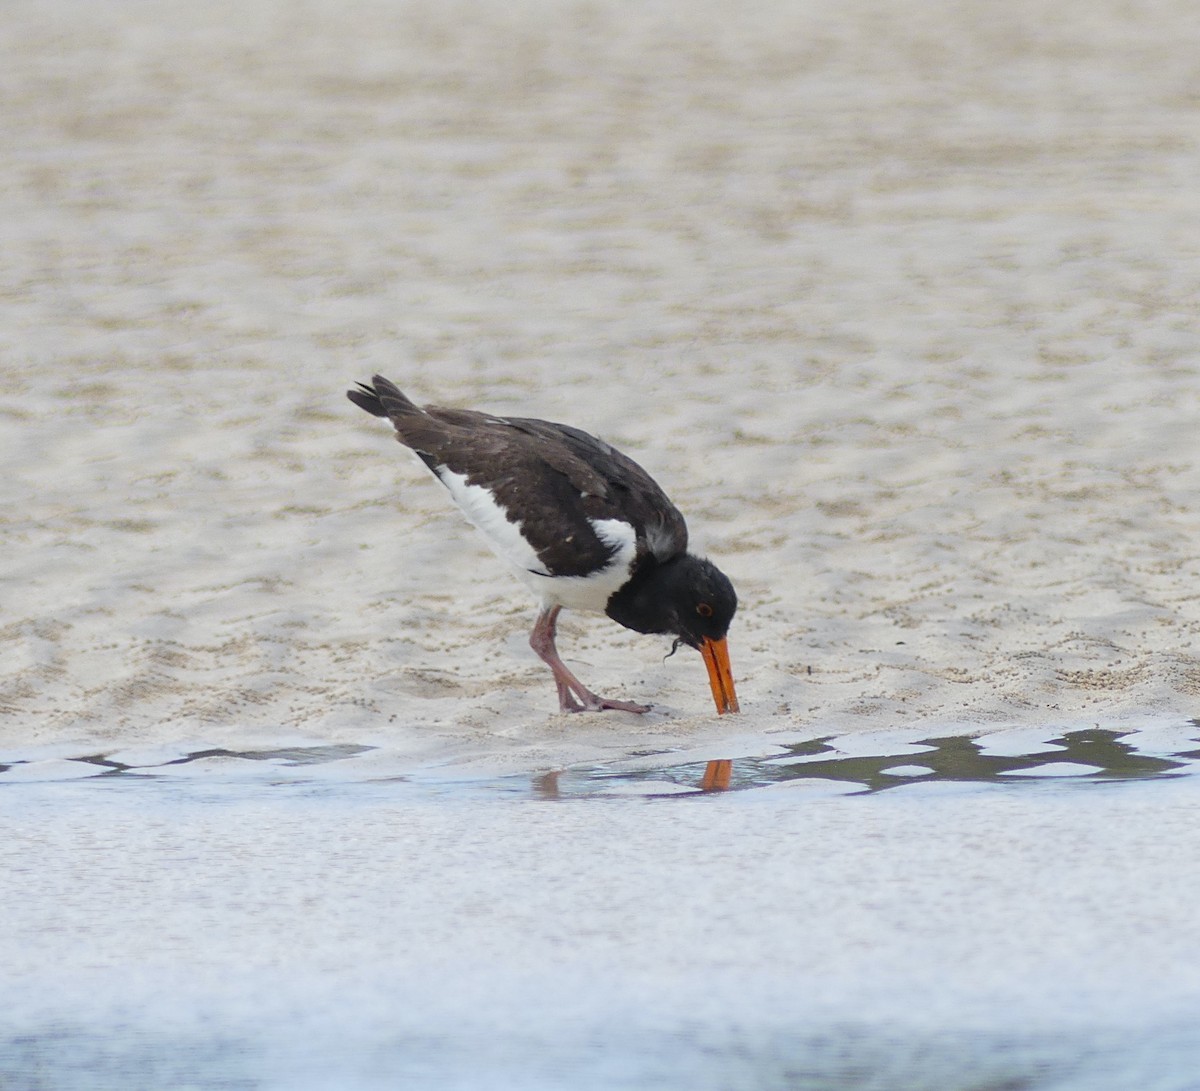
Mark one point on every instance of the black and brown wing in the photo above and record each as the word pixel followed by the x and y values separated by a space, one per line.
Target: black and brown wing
pixel 555 480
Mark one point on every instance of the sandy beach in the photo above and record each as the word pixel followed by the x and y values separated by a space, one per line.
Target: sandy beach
pixel 899 306
pixel 898 302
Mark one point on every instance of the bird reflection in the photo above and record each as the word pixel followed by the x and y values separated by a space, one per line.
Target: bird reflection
pixel 717 775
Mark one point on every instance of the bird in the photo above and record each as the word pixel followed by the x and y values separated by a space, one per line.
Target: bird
pixel 582 525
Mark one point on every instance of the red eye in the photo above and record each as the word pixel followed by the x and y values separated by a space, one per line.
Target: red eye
pixel 704 610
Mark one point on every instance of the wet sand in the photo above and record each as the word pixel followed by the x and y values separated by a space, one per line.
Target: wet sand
pixel 311 928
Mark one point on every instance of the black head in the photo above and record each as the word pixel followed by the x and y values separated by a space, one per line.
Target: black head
pixel 691 598
pixel 702 599
pixel 688 596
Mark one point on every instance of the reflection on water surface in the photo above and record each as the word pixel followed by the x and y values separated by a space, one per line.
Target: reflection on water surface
pixel 1093 754
pixel 1087 755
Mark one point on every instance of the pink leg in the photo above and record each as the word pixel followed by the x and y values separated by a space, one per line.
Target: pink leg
pixel 541 640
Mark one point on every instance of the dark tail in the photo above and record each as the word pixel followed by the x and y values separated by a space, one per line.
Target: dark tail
pixel 384 399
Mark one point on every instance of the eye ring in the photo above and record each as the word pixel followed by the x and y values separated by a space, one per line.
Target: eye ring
pixel 704 609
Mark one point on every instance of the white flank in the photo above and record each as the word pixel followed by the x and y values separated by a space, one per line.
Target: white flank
pixel 504 537
pixel 502 534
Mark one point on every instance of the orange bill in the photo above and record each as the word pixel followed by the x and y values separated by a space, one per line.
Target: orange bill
pixel 720 676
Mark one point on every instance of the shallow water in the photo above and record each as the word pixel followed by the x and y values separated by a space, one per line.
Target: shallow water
pixel 1094 754
pixel 308 918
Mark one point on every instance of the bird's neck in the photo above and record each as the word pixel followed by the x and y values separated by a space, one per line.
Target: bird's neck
pixel 645 603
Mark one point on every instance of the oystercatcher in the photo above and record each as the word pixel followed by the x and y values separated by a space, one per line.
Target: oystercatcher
pixel 582 525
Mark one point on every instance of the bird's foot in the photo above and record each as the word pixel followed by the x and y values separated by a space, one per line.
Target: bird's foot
pixel 622 706
pixel 573 695
pixel 592 703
